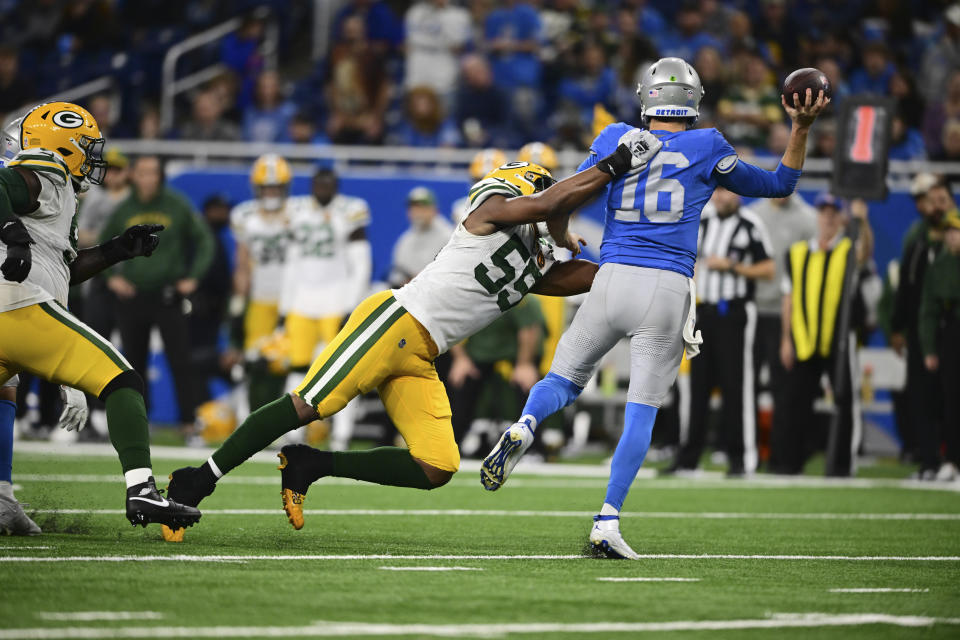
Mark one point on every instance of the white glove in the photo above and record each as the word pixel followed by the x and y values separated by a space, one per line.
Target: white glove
pixel 692 339
pixel 642 145
pixel 74 416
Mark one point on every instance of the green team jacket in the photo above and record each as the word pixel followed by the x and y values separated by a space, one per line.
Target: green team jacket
pixel 498 341
pixel 940 300
pixel 186 244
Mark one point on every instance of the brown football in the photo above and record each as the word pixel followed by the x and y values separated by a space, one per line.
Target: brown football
pixel 808 78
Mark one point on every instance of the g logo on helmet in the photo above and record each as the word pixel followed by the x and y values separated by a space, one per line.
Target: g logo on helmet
pixel 67 119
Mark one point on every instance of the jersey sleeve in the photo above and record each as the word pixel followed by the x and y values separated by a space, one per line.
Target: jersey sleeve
pixel 358 215
pixel 481 192
pixel 606 143
pixel 53 173
pixel 238 223
pixel 44 163
pixel 723 157
pixel 751 181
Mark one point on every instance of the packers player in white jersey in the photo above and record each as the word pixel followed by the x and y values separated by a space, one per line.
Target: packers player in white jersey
pixel 261 227
pixel 62 150
pixel 483 163
pixel 13 520
pixel 328 266
pixel 494 258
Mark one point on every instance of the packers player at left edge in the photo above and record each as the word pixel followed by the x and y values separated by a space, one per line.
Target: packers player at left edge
pixel 60 153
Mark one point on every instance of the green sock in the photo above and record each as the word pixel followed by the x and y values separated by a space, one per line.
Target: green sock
pixel 261 427
pixel 128 427
pixel 391 466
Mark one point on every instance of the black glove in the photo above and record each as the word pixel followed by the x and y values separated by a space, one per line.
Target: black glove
pixel 138 240
pixel 17 265
pixel 635 149
pixel 618 162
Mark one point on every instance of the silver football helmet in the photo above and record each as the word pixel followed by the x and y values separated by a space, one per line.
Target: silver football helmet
pixel 10 141
pixel 670 88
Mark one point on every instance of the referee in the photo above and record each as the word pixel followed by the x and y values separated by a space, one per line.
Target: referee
pixel 734 251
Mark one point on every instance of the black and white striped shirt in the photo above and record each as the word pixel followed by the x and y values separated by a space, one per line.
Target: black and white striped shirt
pixel 742 238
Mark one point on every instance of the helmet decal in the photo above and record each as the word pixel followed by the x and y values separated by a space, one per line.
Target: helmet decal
pixel 68 119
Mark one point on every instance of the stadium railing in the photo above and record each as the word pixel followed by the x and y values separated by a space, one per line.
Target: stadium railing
pixel 172 86
pixel 446 159
pixel 103 84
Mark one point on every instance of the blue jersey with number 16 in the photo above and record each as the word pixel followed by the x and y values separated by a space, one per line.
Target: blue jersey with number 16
pixel 652 216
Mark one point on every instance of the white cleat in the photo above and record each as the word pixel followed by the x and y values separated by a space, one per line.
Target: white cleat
pixel 606 540
pixel 13 521
pixel 500 462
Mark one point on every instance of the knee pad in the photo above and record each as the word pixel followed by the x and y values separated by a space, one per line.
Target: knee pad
pixel 129 379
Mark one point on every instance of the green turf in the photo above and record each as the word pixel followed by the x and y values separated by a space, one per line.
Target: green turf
pixel 295 593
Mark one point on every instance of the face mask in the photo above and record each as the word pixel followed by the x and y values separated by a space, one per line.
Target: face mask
pixel 273 203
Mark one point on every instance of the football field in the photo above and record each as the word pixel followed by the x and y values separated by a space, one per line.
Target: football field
pixel 799 558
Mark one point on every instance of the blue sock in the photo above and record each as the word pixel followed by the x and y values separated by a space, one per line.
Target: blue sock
pixel 631 450
pixel 8 411
pixel 547 397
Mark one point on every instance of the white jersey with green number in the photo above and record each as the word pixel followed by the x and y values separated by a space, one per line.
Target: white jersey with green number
pixel 266 236
pixel 53 227
pixel 474 279
pixel 317 281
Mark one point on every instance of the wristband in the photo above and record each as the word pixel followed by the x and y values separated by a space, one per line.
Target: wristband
pixel 112 252
pixel 617 163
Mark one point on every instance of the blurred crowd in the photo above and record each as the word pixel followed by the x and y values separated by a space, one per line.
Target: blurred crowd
pixel 476 73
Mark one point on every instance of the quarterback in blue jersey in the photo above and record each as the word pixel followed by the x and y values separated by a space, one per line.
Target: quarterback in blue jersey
pixel 644 288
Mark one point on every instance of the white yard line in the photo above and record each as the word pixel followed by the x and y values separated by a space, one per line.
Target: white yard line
pixel 22 547
pixel 649 579
pixel 523 513
pixel 327 629
pixel 91 616
pixel 878 590
pixel 342 557
pixel 430 568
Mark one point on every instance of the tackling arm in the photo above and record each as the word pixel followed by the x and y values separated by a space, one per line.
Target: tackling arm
pixel 562 198
pixel 634 150
pixel 567 279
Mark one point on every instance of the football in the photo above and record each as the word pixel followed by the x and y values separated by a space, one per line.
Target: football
pixel 807 78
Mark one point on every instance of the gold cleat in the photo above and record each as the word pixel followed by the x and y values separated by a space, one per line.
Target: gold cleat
pixel 293 505
pixel 292 501
pixel 172 535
